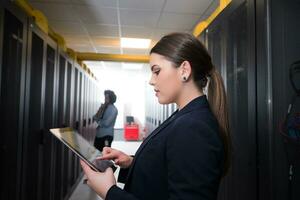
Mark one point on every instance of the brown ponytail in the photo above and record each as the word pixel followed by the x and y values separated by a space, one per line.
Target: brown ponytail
pixel 218 103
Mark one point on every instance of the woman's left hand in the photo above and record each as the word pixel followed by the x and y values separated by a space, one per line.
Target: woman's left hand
pixel 99 182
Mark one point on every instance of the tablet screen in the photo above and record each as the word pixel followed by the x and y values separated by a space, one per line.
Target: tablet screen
pixel 79 146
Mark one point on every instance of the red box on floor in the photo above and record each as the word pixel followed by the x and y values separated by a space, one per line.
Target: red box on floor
pixel 131 132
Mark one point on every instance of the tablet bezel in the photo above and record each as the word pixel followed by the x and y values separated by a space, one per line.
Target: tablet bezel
pixel 56 131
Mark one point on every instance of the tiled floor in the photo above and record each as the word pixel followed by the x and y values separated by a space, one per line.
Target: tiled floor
pixel 83 192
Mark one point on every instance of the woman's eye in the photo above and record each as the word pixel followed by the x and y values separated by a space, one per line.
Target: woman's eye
pixel 156 72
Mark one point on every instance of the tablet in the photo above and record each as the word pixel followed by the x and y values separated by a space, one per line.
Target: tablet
pixel 82 148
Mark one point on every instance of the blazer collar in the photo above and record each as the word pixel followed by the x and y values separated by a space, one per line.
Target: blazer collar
pixel 198 102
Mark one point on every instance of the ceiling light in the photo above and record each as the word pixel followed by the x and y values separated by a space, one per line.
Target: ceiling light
pixel 137 43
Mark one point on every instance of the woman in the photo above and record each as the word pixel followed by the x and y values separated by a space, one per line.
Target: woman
pixel 187 155
pixel 106 119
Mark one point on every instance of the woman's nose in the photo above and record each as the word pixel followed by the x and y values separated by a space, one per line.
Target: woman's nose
pixel 151 81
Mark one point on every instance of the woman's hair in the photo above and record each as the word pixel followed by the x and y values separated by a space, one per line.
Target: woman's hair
pixel 180 47
pixel 112 96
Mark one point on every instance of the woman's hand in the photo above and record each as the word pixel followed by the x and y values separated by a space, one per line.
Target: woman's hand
pixel 99 182
pixel 120 158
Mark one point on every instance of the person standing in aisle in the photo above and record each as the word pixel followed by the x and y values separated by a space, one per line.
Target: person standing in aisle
pixel 106 118
pixel 189 153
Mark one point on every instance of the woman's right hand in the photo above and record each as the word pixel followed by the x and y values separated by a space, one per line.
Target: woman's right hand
pixel 120 158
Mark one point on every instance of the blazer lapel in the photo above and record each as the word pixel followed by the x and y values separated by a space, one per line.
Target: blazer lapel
pixel 146 141
pixel 156 131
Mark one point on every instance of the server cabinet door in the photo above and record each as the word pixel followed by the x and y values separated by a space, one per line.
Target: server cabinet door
pixel 69 157
pixel 61 92
pixel 1 40
pixel 76 121
pixel 11 104
pixel 80 100
pixel 76 97
pixel 33 118
pixel 47 149
pixel 242 102
pixel 69 100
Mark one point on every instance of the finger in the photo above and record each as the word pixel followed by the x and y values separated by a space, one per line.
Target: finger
pixel 85 181
pixel 117 162
pixel 88 182
pixel 109 171
pixel 82 163
pixel 106 150
pixel 86 169
pixel 107 157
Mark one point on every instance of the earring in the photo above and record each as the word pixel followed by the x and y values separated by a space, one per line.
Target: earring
pixel 184 79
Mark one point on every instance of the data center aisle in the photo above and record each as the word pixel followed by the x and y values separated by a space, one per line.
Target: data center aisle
pixel 83 192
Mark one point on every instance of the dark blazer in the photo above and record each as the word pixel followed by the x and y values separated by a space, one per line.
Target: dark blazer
pixel 181 159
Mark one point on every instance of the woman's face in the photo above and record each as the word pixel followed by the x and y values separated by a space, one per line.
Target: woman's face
pixel 106 98
pixel 165 79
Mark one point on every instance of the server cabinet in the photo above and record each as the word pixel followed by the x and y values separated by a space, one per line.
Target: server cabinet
pixel 39 117
pixel 1 42
pixel 48 150
pixel 69 157
pixel 67 153
pixel 84 107
pixel 12 102
pixel 62 152
pixel 69 93
pixel 76 120
pixel 231 42
pixel 240 75
pixel 76 98
pixel 59 168
pixel 87 111
pixel 39 88
pixel 89 108
pixel 278 42
pixel 215 45
pixel 215 40
pixel 34 118
pixel 61 91
pixel 80 102
pixel 96 99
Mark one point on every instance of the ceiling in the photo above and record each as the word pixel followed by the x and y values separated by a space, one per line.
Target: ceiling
pixel 97 25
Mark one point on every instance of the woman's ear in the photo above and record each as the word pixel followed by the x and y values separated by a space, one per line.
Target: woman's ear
pixel 185 70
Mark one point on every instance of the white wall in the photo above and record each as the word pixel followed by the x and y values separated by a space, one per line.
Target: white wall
pixel 129 86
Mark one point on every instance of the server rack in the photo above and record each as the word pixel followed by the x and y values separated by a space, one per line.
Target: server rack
pixel 40 88
pixel 12 100
pixel 259 36
pixel 230 40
